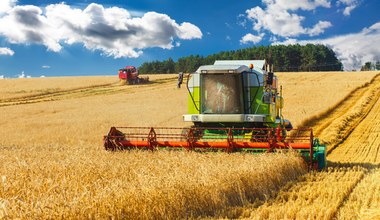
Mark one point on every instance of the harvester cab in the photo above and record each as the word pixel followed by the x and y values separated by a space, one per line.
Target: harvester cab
pixel 236 94
pixel 235 106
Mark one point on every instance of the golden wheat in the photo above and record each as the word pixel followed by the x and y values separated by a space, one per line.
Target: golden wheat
pixel 318 196
pixel 353 164
pixel 13 88
pixel 54 166
pixel 362 146
pixel 309 94
pixel 364 201
pixel 145 185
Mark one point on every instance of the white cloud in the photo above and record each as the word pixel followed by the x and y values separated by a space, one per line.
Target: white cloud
pixel 6 51
pixel 252 38
pixel 299 4
pixel 354 49
pixel 241 20
pixel 6 5
pixel 281 23
pixel 27 25
pixel 188 31
pixel 23 75
pixel 273 39
pixel 228 25
pixel 349 5
pixel 279 17
pixel 113 31
pixel 45 67
pixel 2 77
pixel 319 28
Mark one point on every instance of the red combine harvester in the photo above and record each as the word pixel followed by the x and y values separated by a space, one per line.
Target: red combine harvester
pixel 130 75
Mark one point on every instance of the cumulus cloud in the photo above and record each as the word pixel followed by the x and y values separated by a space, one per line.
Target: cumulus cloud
pixel 113 31
pixel 23 75
pixel 349 5
pixel 6 51
pixel 319 28
pixel 354 49
pixel 300 4
pixel 252 38
pixel 6 5
pixel 2 77
pixel 279 17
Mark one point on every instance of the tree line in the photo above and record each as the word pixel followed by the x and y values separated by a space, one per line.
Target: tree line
pixel 371 66
pixel 285 58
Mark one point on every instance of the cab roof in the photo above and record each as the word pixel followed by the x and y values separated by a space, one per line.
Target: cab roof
pixel 222 69
pixel 232 66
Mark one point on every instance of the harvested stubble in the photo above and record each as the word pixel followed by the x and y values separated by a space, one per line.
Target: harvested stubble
pixel 137 184
pixel 309 94
pixel 16 88
pixel 335 124
pixel 364 202
pixel 12 88
pixel 362 146
pixel 318 196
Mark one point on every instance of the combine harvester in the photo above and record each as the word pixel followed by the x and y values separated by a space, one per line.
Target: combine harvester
pixel 131 76
pixel 235 106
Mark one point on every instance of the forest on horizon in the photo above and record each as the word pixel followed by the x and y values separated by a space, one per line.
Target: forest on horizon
pixel 284 58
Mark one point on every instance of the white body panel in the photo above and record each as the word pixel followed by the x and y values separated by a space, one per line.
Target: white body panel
pixel 224 118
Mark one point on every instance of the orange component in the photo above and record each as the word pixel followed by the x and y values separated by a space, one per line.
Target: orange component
pixel 212 144
pixel 193 138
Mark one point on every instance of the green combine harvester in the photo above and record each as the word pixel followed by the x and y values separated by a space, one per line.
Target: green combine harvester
pixel 235 106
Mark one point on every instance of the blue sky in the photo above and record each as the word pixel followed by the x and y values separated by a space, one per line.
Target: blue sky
pixel 84 37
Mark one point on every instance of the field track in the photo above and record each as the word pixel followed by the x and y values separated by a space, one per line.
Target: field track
pixel 350 188
pixel 336 123
pixel 361 149
pixel 362 146
pixel 102 89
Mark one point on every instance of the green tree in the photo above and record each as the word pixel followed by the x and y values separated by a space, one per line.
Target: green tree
pixel 309 57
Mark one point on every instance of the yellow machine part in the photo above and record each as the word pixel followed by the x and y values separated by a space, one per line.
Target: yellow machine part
pixel 279 102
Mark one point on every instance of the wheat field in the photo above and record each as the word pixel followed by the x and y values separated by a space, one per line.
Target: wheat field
pixel 54 165
pixel 348 189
